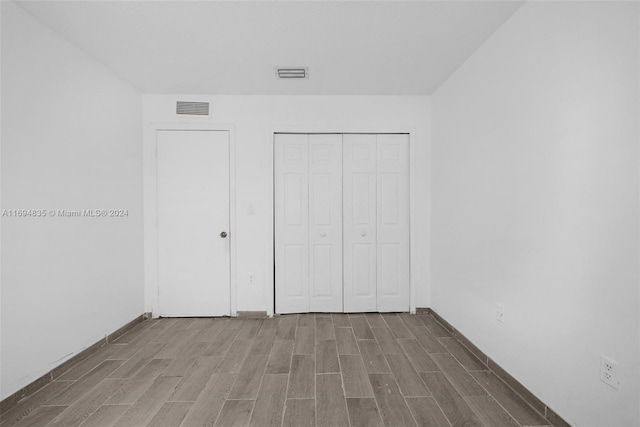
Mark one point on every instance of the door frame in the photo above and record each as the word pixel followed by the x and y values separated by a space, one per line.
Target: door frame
pixel 269 290
pixel 150 208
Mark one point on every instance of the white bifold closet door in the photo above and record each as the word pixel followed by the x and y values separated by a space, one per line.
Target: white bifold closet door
pixel 325 223
pixel 291 162
pixel 393 223
pixel 360 222
pixel 341 223
pixel 308 212
pixel 376 222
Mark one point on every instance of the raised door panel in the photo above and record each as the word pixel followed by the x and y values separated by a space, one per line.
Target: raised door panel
pixel 291 155
pixel 360 222
pixel 393 223
pixel 325 223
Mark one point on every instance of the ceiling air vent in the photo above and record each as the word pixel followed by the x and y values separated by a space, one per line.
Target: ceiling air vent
pixel 189 108
pixel 292 72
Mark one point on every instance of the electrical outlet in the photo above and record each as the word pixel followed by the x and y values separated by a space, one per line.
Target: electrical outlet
pixel 500 313
pixel 252 278
pixel 609 372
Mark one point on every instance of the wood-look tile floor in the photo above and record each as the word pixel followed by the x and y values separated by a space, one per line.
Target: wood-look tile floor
pixel 291 370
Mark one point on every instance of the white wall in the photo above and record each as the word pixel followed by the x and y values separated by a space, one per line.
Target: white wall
pixel 71 139
pixel 254 118
pixel 535 203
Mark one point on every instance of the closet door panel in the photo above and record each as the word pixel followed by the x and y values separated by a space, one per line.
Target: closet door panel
pixel 359 227
pixel 292 223
pixel 325 222
pixel 393 223
pixel 342 223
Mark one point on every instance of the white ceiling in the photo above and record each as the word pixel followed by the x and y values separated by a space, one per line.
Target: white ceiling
pixel 232 47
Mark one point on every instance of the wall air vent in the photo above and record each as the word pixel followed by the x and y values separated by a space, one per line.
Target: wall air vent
pixel 189 108
pixel 292 72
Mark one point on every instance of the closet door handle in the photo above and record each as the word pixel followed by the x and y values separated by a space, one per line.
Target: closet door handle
pixel 223 234
pixel 363 233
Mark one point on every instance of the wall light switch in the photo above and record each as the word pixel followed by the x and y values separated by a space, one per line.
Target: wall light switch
pixel 500 313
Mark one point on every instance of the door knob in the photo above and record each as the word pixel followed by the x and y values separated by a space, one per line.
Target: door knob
pixel 363 233
pixel 323 234
pixel 223 234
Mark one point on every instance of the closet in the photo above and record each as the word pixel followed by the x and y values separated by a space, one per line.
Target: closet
pixel 341 222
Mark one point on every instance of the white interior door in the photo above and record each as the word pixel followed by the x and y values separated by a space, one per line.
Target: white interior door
pixel 291 158
pixel 193 211
pixel 360 223
pixel 325 222
pixel 393 223
pixel 341 223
